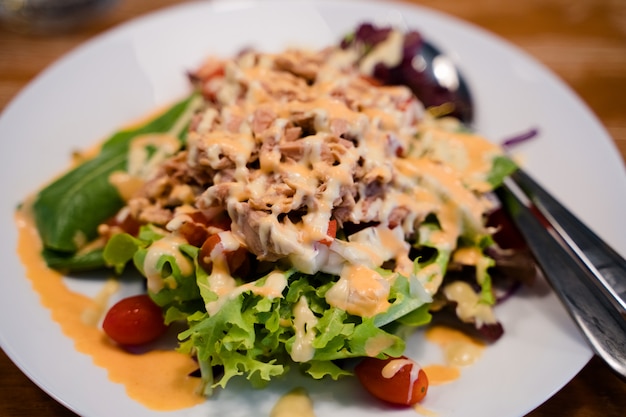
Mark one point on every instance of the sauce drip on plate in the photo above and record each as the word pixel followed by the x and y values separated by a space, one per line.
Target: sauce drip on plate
pixel 169 389
pixel 458 349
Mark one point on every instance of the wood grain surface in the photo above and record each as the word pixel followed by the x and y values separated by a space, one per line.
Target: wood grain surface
pixel 582 41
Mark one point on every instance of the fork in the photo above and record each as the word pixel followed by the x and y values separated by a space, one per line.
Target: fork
pixel 587 275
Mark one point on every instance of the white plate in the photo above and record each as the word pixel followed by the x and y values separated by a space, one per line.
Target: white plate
pixel 127 72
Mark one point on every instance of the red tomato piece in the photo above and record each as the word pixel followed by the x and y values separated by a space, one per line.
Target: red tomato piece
pixel 332 228
pixel 331 232
pixel 134 321
pixel 210 244
pixel 398 381
pixel 125 223
pixel 220 220
pixel 237 260
pixel 194 233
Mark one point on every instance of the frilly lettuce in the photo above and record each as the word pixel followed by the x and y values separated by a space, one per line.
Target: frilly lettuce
pixel 252 335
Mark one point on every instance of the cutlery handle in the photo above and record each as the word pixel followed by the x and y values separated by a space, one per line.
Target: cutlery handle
pixel 607 266
pixel 593 313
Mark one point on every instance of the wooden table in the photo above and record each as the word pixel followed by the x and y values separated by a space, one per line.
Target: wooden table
pixel 584 42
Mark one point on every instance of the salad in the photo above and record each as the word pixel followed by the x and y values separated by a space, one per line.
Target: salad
pixel 298 209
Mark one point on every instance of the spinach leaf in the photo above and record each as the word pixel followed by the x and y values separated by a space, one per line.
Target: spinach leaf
pixel 74 262
pixel 68 211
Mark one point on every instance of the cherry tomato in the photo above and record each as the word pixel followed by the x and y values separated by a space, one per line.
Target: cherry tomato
pixel 134 321
pixel 395 380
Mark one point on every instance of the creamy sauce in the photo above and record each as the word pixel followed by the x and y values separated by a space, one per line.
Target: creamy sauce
pixel 169 389
pixel 377 344
pixel 304 322
pixel 360 291
pixel 439 374
pixel 167 246
pixel 126 185
pixel 295 403
pixel 467 255
pixel 394 366
pixel 459 350
pixel 469 307
pixel 475 257
pixel 461 151
pixel 420 409
pixel 141 162
pixel 388 52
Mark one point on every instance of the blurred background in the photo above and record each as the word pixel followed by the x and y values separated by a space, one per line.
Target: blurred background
pixel 582 41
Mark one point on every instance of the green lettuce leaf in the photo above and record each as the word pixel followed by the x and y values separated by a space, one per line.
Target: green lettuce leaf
pixel 407 297
pixel 252 336
pixel 237 338
pixel 322 369
pixel 79 262
pixel 180 295
pixel 121 249
pixel 502 167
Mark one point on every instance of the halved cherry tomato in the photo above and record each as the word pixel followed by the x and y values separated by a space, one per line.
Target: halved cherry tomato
pixel 134 321
pixel 395 380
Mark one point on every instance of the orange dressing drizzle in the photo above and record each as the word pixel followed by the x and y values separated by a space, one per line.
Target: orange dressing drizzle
pixel 420 409
pixel 441 374
pixel 459 350
pixel 169 388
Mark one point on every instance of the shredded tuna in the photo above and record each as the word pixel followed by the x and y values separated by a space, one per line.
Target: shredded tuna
pixel 285 143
